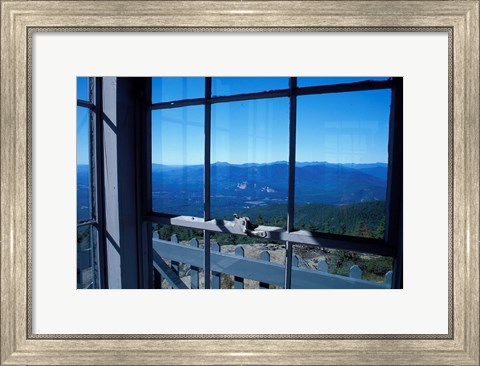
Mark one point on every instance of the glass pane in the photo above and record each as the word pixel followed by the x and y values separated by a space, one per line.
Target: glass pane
pixel 87 276
pixel 84 194
pixel 177 160
pixel 242 85
pixel 315 267
pixel 167 89
pixel 341 162
pixel 83 88
pixel 316 81
pixel 249 172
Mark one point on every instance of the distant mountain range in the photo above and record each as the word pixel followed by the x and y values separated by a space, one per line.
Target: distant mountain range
pixel 336 198
pixel 236 187
pixel 280 162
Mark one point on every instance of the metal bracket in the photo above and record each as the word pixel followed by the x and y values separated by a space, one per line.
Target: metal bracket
pixel 244 224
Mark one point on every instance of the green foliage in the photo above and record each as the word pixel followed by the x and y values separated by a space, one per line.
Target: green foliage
pixel 259 220
pixel 373 267
pixel 226 281
pixel 229 239
pixel 340 262
pixel 183 233
pixel 365 219
pixel 83 237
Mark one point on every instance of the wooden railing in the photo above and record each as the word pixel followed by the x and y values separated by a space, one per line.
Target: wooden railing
pixel 241 268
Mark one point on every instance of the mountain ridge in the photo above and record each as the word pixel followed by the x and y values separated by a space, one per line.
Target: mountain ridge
pixel 240 186
pixel 279 162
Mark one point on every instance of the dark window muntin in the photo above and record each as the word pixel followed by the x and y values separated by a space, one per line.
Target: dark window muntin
pixel 290 236
pixel 97 214
pixel 295 91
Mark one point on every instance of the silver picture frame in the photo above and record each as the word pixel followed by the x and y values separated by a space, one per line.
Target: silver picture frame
pixel 19 22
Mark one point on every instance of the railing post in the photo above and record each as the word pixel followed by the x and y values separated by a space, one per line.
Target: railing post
pixel 322 266
pixel 388 279
pixel 215 275
pixel 174 264
pixel 264 256
pixel 194 282
pixel 239 282
pixel 355 272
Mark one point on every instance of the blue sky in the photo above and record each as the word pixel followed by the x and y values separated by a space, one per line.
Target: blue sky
pixel 83 125
pixel 338 128
pixel 83 128
pixel 343 127
pixel 82 88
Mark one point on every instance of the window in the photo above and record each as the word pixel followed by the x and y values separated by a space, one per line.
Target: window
pixel 348 134
pixel 292 183
pixel 88 203
pixel 248 156
pixel 177 155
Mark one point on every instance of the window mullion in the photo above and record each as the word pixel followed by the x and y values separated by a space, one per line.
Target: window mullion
pixel 93 198
pixel 393 227
pixel 206 193
pixel 92 152
pixel 99 178
pixel 291 179
pixel 84 104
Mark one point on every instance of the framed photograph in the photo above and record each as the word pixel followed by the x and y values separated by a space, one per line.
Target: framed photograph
pixel 325 151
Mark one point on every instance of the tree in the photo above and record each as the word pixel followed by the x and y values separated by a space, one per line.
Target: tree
pixel 165 232
pixel 379 231
pixel 259 220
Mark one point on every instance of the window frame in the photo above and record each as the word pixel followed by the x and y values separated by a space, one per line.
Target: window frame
pixel 390 245
pixel 97 212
